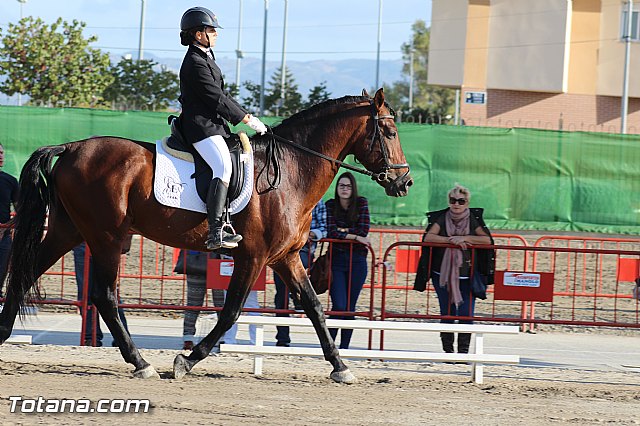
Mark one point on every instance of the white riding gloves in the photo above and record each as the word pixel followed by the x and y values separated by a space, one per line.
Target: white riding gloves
pixel 257 125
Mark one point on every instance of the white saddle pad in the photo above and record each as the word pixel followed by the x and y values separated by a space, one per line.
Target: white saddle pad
pixel 174 187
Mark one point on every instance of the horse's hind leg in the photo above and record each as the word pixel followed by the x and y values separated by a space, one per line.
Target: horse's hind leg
pixel 244 275
pixel 293 273
pixel 106 259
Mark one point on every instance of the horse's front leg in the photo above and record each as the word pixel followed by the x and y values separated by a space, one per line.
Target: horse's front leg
pixel 244 275
pixel 104 298
pixel 295 276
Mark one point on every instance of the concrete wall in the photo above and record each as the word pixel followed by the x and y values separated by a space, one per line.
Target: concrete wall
pixel 528 45
pixel 611 53
pixel 448 37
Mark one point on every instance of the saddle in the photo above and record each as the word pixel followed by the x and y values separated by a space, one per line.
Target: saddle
pixel 203 173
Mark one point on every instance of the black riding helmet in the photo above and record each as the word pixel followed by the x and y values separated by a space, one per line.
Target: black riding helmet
pixel 198 17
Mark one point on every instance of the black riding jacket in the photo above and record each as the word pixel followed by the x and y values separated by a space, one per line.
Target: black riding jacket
pixel 206 107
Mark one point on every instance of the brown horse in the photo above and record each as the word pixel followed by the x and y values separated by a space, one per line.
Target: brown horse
pixel 102 187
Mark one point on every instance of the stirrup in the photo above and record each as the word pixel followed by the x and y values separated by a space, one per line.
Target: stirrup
pixel 231 237
pixel 219 238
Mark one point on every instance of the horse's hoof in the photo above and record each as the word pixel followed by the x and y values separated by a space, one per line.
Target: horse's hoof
pixel 343 377
pixel 5 333
pixel 146 373
pixel 180 367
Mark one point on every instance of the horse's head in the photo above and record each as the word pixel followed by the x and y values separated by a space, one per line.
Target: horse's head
pixel 381 153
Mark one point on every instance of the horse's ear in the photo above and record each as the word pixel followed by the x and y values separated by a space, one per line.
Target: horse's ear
pixel 378 99
pixel 365 93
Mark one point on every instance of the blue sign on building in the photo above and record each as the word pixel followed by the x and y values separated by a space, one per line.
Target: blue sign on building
pixel 475 98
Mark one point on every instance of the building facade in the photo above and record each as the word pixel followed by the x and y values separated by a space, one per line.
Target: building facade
pixel 550 64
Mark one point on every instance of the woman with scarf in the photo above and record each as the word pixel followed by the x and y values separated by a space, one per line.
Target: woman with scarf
pixel 451 267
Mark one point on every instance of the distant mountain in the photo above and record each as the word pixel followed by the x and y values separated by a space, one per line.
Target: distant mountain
pixel 344 77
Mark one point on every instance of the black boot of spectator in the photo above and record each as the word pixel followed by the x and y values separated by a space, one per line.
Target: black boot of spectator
pixel 447 342
pixel 464 340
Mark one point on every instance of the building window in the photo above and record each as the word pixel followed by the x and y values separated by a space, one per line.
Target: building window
pixel 635 15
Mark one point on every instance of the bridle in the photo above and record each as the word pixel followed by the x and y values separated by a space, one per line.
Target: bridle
pixel 380 176
pixel 377 134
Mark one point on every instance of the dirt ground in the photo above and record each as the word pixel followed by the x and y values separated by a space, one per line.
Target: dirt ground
pixel 297 391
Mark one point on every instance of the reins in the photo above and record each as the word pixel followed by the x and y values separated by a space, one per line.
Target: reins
pixel 377 135
pixel 321 155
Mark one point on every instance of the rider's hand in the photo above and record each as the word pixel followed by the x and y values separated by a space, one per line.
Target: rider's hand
pixel 257 125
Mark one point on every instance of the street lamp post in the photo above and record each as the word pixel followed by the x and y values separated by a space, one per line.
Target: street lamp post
pixel 625 79
pixel 411 54
pixel 239 54
pixel 264 57
pixel 283 66
pixel 141 38
pixel 379 42
pixel 22 2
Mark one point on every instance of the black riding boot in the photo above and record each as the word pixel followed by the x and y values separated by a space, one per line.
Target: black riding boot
pixel 447 342
pixel 464 340
pixel 216 199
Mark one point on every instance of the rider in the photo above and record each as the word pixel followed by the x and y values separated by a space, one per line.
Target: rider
pixel 206 108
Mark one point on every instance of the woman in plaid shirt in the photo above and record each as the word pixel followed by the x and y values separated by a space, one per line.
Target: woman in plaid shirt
pixel 347 219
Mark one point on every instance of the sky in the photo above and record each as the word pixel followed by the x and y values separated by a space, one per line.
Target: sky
pixel 316 29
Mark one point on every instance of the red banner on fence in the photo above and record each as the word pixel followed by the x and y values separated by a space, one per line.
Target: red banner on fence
pixel 628 269
pixel 219 273
pixel 407 260
pixel 524 286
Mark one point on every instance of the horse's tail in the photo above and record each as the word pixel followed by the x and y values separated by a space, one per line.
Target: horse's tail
pixel 34 197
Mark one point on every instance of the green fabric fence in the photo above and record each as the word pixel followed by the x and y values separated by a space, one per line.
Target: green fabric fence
pixel 525 179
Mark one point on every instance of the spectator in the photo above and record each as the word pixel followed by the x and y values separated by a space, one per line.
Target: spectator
pixel 196 290
pixel 347 219
pixel 78 260
pixel 318 230
pixel 451 267
pixel 636 289
pixel 8 197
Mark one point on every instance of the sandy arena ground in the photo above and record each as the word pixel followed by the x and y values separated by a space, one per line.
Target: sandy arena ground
pixel 296 391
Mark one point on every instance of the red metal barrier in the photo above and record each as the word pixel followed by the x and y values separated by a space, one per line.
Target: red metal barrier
pixel 601 301
pixel 146 281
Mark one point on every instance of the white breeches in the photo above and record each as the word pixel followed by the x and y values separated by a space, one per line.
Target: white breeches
pixel 215 152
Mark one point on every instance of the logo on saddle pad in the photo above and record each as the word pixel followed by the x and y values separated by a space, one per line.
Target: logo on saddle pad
pixel 172 188
pixel 174 185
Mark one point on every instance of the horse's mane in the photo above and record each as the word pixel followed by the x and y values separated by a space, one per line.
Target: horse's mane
pixel 310 115
pixel 314 114
pixel 320 109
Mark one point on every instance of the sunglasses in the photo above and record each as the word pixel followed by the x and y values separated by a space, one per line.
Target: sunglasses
pixel 460 201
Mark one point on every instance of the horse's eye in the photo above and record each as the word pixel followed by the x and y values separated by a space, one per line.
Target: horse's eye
pixel 392 134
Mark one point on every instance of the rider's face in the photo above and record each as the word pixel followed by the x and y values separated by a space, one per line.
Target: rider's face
pixel 208 36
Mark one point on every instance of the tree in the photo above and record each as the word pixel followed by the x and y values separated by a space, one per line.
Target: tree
pixel 233 89
pixel 292 102
pixel 432 103
pixel 53 65
pixel 140 85
pixel 317 94
pixel 252 102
